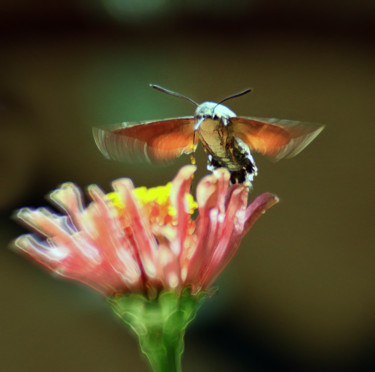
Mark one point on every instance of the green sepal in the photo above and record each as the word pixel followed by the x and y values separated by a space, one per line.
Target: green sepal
pixel 160 323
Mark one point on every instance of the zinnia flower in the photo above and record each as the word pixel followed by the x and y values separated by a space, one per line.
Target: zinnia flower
pixel 141 246
pixel 133 240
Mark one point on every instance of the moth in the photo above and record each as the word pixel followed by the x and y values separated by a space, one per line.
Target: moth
pixel 228 140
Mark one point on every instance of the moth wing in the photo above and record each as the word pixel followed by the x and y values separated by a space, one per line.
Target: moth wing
pixel 154 141
pixel 275 138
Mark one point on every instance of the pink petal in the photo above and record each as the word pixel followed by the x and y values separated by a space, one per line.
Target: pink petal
pixel 180 188
pixel 230 236
pixel 213 223
pixel 205 230
pixel 145 242
pixel 258 207
pixel 98 255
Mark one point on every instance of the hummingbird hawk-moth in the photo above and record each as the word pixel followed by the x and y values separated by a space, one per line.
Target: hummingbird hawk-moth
pixel 228 139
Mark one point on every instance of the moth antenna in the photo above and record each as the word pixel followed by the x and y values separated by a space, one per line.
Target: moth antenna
pixel 248 90
pixel 172 93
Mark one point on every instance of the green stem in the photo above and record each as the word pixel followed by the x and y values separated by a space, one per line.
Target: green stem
pixel 160 324
pixel 163 353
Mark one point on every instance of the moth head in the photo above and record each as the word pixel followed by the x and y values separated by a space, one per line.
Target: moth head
pixel 213 110
pixel 207 110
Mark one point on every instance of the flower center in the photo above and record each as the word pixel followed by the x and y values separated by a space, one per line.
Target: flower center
pixel 155 203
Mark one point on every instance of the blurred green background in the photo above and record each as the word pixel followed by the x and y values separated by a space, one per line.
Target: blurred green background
pixel 299 295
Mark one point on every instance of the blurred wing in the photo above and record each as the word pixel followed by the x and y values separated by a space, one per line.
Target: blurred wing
pixel 276 138
pixel 154 141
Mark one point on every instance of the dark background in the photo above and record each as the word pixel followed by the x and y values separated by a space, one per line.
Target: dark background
pixel 299 295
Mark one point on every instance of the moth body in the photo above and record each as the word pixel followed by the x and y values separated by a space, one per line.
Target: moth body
pixel 212 121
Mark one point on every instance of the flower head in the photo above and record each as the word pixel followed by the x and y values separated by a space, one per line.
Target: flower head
pixel 138 239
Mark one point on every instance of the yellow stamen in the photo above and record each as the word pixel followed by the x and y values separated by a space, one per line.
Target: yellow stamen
pixel 156 202
pixel 115 200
